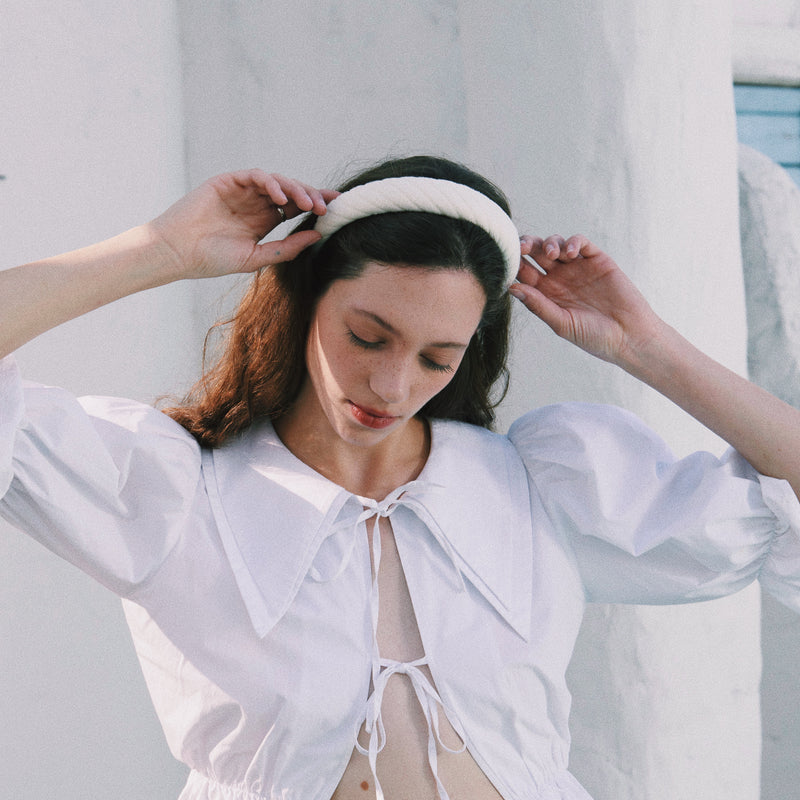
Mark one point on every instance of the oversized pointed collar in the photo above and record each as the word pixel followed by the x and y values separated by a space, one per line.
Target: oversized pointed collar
pixel 274 512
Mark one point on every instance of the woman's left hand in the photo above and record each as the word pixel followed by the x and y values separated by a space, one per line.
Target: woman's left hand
pixel 584 296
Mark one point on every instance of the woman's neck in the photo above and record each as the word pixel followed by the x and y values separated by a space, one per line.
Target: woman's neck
pixel 368 471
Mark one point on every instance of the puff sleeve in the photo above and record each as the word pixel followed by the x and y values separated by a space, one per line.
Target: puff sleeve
pixel 646 527
pixel 107 484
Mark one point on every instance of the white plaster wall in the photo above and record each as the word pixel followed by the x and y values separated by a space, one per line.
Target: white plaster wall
pixel 91 143
pixel 780 13
pixel 767 42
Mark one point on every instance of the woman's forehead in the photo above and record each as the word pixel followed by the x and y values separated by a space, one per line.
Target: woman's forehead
pixel 446 303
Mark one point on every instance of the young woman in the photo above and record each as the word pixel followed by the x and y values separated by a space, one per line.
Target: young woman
pixel 339 582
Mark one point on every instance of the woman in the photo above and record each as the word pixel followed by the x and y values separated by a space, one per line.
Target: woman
pixel 339 582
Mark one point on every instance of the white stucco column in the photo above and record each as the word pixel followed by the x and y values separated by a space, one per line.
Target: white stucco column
pixel 616 119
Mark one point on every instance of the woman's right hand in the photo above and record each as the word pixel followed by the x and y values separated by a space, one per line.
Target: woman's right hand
pixel 215 229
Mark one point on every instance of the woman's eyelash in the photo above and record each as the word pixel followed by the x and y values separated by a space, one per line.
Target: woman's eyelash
pixel 436 367
pixel 359 342
pixel 365 344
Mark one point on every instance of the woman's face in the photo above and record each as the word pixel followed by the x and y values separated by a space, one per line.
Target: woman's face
pixel 382 344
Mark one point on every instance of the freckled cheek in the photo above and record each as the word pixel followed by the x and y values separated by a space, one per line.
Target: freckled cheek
pixel 429 385
pixel 342 367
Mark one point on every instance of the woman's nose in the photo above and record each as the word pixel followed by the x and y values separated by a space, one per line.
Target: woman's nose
pixel 390 381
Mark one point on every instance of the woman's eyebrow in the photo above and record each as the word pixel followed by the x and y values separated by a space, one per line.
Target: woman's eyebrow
pixel 391 329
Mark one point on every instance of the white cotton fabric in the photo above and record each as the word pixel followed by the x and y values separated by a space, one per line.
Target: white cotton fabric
pixel 248 587
pixel 437 196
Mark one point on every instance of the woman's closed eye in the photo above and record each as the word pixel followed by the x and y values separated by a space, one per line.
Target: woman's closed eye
pixel 366 344
pixel 435 365
pixel 376 344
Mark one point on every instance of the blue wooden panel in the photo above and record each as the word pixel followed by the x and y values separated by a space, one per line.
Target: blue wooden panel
pixel 767 99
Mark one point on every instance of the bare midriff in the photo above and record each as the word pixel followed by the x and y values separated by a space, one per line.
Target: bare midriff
pixel 403 766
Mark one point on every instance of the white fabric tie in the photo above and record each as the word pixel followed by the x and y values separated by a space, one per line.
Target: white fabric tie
pixel 430 702
pixel 383 669
pixel 402 496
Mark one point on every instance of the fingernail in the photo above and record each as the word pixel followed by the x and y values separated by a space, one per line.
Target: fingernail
pixel 516 290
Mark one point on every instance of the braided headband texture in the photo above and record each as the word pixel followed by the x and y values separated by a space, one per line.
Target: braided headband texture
pixel 434 195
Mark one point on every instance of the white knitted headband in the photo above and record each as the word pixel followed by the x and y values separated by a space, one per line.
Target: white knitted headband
pixel 434 195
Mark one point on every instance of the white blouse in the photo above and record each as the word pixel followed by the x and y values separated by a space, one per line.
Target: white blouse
pixel 248 588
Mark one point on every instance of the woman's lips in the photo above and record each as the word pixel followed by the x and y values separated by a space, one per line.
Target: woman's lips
pixel 370 418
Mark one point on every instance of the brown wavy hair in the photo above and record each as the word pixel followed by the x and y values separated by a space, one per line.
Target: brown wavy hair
pixel 262 366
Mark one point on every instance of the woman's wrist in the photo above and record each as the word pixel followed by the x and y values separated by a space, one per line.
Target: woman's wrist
pixel 655 354
pixel 140 259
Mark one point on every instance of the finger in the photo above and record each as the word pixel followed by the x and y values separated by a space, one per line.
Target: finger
pixel 537 303
pixel 557 248
pixel 578 246
pixel 287 193
pixel 321 199
pixel 548 249
pixel 529 271
pixel 553 247
pixel 280 250
pixel 527 243
pixel 267 183
pixel 545 252
pixel 303 197
pixel 572 246
pixel 589 249
pixel 284 191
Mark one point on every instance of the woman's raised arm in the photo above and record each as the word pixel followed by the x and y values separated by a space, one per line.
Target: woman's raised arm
pixel 585 298
pixel 214 230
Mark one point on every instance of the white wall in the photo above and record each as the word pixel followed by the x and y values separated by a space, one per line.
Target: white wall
pixel 614 118
pixel 767 42
pixel 780 13
pixel 91 143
